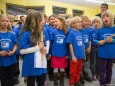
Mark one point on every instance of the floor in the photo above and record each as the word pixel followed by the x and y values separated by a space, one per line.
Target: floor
pixel 50 83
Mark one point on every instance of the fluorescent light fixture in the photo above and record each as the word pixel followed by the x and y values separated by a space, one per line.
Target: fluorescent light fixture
pixel 97 1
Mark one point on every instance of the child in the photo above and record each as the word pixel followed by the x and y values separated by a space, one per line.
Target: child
pixel 86 71
pixel 59 50
pixel 105 48
pixel 50 28
pixel 96 23
pixel 77 52
pixel 32 50
pixel 16 32
pixel 8 47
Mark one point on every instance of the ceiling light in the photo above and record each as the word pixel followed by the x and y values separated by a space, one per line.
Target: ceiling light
pixel 97 1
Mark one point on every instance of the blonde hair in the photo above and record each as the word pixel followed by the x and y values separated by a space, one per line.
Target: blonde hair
pixel 97 18
pixel 74 19
pixel 84 17
pixel 64 25
pixel 108 13
pixel 4 15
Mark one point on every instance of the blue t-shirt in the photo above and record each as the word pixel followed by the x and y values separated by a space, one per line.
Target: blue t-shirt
pixel 108 49
pixel 92 35
pixel 50 30
pixel 76 39
pixel 16 32
pixel 46 37
pixel 89 29
pixel 28 59
pixel 86 37
pixel 59 45
pixel 7 42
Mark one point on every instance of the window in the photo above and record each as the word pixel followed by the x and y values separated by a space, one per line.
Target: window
pixel 16 10
pixel 59 10
pixel 21 10
pixel 40 9
pixel 77 12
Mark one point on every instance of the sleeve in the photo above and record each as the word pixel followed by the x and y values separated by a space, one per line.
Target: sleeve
pixel 96 38
pixel 14 39
pixel 70 38
pixel 113 41
pixel 29 50
pixel 46 35
pixel 52 35
pixel 48 46
pixel 24 41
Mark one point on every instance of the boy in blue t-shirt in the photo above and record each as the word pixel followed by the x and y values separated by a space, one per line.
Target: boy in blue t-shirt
pixel 77 52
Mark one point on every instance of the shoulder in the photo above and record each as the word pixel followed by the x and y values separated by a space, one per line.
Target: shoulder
pixel 26 34
pixel 98 15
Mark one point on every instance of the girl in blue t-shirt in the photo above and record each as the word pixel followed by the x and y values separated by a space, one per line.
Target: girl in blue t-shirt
pixel 105 48
pixel 33 49
pixel 8 47
pixel 59 50
pixel 96 23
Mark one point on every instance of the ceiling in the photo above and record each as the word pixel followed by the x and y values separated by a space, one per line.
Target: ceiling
pixel 88 3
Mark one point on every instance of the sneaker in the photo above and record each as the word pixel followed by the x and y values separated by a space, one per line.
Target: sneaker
pixel 88 79
pixel 82 81
pixel 94 78
pixel 25 80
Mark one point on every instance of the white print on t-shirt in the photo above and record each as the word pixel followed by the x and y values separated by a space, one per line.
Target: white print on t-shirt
pixel 79 40
pixel 5 44
pixel 106 35
pixel 60 40
pixel 85 38
pixel 93 37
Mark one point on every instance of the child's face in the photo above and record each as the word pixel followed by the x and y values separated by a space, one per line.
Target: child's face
pixel 42 22
pixel 85 22
pixel 106 20
pixel 4 22
pixel 96 24
pixel 77 24
pixel 52 21
pixel 58 24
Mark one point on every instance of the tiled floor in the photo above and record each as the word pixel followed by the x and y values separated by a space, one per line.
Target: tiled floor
pixel 94 83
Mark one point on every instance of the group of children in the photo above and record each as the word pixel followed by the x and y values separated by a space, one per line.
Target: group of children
pixel 88 46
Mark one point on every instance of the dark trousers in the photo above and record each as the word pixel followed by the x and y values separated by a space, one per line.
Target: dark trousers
pixel 93 60
pixel 68 68
pixel 49 68
pixel 7 76
pixel 39 79
pixel 16 68
pixel 105 70
pixel 86 71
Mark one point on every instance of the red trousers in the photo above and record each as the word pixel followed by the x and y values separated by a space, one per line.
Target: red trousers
pixel 75 71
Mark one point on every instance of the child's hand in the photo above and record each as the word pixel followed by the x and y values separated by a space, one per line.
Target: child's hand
pixel 101 42
pixel 66 57
pixel 88 50
pixel 49 57
pixel 74 59
pixel 3 53
pixel 9 53
pixel 41 45
pixel 109 40
pixel 43 51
